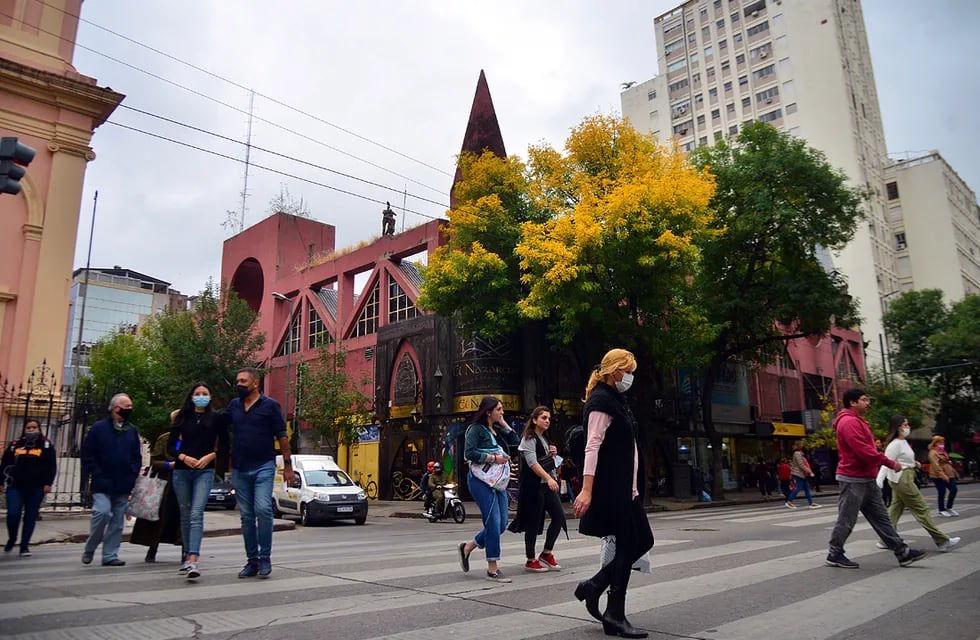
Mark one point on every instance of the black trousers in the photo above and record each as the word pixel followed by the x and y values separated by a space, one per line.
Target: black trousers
pixel 551 504
pixel 633 539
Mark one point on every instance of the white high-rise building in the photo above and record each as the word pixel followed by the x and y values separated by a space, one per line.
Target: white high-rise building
pixel 935 222
pixel 804 67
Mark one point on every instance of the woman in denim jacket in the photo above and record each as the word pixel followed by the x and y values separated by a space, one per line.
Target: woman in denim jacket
pixel 486 439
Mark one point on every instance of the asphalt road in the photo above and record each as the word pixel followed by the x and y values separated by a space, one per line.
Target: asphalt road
pixel 751 571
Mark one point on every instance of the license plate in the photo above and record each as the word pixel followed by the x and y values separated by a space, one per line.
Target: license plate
pixel 219 498
pixel 347 509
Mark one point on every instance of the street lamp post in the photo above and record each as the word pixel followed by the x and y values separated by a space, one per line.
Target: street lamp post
pixel 289 348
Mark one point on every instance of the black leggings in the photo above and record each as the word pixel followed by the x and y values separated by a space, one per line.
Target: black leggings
pixel 633 539
pixel 551 504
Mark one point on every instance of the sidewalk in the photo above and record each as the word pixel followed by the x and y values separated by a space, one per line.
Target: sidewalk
pixel 74 526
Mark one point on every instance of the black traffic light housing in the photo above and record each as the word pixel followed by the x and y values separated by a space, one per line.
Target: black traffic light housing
pixel 13 157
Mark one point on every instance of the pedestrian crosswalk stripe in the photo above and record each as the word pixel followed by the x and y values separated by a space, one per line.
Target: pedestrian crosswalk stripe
pixel 852 603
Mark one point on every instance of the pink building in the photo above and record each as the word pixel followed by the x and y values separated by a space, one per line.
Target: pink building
pixel 50 106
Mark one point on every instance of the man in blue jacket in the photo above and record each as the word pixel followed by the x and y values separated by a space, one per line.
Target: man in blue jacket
pixel 111 454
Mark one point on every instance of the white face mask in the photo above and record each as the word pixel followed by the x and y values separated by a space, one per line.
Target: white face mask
pixel 905 431
pixel 623 385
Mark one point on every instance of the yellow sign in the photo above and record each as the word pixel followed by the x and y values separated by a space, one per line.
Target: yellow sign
pixel 403 410
pixel 469 404
pixel 788 429
pixel 568 405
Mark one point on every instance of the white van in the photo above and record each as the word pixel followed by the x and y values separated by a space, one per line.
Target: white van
pixel 320 491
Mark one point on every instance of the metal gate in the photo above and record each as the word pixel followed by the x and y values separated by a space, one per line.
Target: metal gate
pixel 65 415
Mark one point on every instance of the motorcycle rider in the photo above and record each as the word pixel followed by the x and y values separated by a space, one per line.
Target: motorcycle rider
pixel 436 480
pixel 424 485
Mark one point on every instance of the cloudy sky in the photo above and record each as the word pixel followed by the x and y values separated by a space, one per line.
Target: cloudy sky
pixel 380 91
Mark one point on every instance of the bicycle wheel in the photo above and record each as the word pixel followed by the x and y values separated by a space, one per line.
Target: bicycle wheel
pixel 372 490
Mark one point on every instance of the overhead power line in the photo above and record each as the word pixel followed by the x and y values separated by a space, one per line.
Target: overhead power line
pixel 283 155
pixel 238 109
pixel 240 86
pixel 264 168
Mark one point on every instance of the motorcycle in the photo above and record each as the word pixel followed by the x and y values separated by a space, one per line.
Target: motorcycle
pixel 452 506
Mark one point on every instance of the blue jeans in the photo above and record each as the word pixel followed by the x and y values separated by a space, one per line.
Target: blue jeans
pixel 941 487
pixel 28 501
pixel 192 486
pixel 253 489
pixel 493 508
pixel 106 527
pixel 801 483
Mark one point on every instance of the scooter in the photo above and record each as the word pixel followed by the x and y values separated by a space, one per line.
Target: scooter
pixel 452 507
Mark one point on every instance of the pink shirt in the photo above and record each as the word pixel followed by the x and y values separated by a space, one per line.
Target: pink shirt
pixel 598 423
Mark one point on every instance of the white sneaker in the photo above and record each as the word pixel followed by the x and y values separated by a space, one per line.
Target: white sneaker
pixel 881 545
pixel 948 545
pixel 946 514
pixel 952 512
pixel 790 505
pixel 814 506
pixel 193 573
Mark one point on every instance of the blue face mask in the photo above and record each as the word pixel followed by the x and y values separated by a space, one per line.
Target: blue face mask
pixel 201 401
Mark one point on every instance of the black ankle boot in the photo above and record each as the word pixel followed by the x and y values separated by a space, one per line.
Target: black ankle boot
pixel 614 622
pixel 590 591
pixel 151 554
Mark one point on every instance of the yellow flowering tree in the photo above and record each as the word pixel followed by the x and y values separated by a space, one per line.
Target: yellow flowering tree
pixel 598 241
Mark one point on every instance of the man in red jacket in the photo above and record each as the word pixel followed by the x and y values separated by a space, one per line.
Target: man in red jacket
pixel 857 469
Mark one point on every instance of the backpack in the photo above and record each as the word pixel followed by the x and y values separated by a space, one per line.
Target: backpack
pixel 575 445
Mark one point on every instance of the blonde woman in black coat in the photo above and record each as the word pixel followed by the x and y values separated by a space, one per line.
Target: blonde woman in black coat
pixel 611 500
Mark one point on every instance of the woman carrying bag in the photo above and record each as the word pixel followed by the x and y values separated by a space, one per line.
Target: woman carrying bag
pixel 538 493
pixel 165 529
pixel 487 480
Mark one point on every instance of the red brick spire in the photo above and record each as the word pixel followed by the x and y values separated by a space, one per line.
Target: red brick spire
pixel 482 130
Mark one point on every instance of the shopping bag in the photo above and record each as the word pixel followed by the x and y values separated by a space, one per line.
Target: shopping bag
pixel 608 550
pixel 147 495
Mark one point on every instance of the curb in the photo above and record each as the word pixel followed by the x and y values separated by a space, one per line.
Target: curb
pixel 208 533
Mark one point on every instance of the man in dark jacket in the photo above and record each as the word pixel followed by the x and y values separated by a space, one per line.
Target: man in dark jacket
pixel 111 455
pixel 857 469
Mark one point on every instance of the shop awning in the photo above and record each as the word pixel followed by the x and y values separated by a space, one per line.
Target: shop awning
pixel 788 429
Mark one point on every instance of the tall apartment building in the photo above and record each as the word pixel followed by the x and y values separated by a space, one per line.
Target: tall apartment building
pixel 804 67
pixel 115 300
pixel 935 222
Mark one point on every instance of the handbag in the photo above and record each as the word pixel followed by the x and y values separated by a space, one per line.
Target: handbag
pixel 495 475
pixel 146 497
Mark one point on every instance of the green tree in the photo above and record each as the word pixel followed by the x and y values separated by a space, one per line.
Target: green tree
pixel 893 395
pixel 939 344
pixel 208 344
pixel 173 351
pixel 123 363
pixel 330 402
pixel 761 282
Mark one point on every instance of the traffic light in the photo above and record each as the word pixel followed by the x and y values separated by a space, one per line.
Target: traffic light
pixel 13 157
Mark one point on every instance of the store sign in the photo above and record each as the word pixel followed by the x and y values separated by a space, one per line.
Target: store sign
pixel 788 429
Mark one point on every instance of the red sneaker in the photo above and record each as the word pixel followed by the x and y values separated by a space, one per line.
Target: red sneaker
pixel 534 566
pixel 548 560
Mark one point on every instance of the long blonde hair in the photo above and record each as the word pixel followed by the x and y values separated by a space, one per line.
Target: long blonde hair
pixel 614 360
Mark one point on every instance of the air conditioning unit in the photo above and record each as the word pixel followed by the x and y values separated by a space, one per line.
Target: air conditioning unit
pixel 763 54
pixel 755 14
pixel 768 100
pixel 682 110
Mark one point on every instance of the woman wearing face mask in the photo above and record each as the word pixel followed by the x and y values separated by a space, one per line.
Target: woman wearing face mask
pixel 202 437
pixel 943 475
pixel 905 493
pixel 610 502
pixel 28 469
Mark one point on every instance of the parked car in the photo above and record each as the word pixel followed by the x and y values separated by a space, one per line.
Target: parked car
pixel 222 495
pixel 321 491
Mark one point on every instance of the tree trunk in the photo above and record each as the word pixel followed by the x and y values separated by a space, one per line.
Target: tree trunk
pixel 707 419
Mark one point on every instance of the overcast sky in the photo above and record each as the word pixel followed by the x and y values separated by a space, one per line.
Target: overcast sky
pixel 401 74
